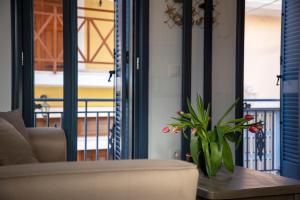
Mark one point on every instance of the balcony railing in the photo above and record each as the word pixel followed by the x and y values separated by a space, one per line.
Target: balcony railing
pixel 95 124
pixel 262 150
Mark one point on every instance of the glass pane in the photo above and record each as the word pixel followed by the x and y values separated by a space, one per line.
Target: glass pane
pixel 261 91
pixel 95 91
pixel 48 62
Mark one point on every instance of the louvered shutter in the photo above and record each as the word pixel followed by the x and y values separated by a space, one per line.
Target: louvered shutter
pixel 121 67
pixel 290 60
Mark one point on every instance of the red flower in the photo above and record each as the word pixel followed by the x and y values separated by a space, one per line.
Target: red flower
pixel 249 117
pixel 253 129
pixel 166 130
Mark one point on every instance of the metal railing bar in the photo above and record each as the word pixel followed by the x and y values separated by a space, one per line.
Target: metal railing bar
pixel 255 148
pixel 79 100
pixel 48 119
pixel 262 109
pixel 259 100
pixel 108 134
pixel 247 147
pixel 61 119
pixel 79 112
pixel 97 136
pixel 273 140
pixel 34 120
pixel 265 137
pixel 85 131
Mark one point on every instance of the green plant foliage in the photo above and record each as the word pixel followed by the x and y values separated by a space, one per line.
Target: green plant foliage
pixel 227 157
pixel 194 149
pixel 212 143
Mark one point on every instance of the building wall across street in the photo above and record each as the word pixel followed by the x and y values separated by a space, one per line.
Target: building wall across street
pixel 262 56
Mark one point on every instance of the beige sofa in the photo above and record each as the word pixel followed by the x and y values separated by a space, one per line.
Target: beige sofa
pixel 107 180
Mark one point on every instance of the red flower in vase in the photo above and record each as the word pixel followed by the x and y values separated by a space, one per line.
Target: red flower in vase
pixel 249 117
pixel 166 130
pixel 253 129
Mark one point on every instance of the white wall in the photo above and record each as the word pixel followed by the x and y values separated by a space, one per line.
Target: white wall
pixel 224 41
pixel 223 72
pixel 262 55
pixel 165 87
pixel 165 79
pixel 5 56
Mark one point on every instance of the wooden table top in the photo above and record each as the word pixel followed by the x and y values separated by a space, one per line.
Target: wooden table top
pixel 245 183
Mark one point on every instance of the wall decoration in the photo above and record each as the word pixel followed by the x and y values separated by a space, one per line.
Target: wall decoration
pixel 173 12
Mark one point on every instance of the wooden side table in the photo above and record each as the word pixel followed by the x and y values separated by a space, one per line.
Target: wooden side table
pixel 248 184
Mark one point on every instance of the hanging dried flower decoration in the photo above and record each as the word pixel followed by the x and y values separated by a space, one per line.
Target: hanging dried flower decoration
pixel 174 12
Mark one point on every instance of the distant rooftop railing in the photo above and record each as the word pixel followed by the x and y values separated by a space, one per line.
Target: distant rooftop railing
pixel 262 150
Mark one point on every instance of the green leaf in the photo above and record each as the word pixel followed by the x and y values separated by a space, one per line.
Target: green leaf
pixel 186 115
pixel 227 157
pixel 216 157
pixel 234 121
pixel 213 135
pixel 205 149
pixel 191 110
pixel 200 106
pixel 185 136
pixel 203 135
pixel 237 144
pixel 221 134
pixel 231 137
pixel 194 147
pixel 227 112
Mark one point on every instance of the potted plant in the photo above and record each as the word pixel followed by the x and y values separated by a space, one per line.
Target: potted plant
pixel 210 147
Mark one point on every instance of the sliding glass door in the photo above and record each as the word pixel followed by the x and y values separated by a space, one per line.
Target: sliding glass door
pixel 261 89
pixel 96 29
pixel 78 74
pixel 48 63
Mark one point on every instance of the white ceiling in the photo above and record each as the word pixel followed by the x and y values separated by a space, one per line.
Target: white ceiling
pixel 263 7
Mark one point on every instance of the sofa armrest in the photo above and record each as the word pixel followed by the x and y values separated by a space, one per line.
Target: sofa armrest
pixel 49 144
pixel 103 180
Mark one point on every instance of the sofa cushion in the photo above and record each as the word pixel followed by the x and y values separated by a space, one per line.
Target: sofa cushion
pixel 103 180
pixel 15 118
pixel 14 149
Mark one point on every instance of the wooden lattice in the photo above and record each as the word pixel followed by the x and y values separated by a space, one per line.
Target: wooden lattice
pixel 48 36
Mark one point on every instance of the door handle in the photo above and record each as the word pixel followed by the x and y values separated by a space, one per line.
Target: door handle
pixel 278 79
pixel 111 73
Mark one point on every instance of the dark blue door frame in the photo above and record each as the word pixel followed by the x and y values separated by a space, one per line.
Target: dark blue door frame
pixel 23 76
pixel 16 52
pixel 186 67
pixel 141 78
pixel 208 28
pixel 23 70
pixel 239 74
pixel 70 76
pixel 187 60
pixel 26 12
